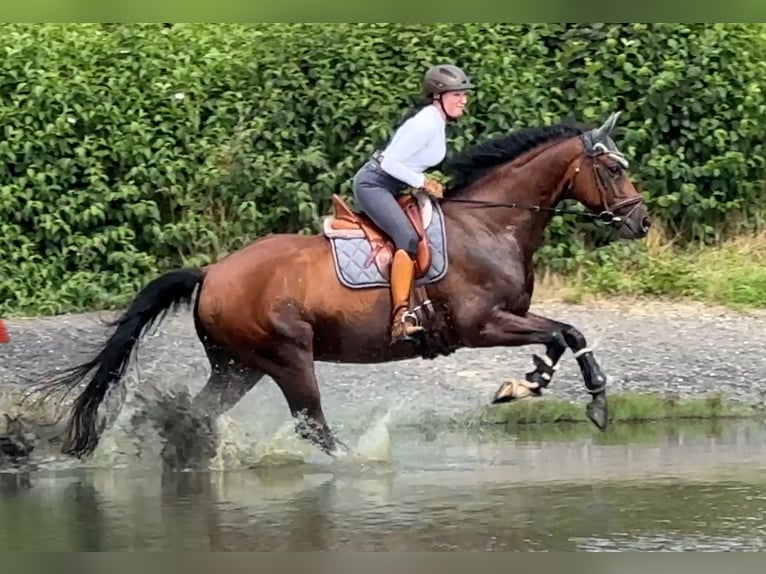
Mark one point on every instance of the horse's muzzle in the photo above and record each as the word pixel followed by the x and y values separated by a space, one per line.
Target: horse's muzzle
pixel 635 223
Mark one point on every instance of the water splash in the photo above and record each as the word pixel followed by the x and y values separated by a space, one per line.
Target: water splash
pixel 375 443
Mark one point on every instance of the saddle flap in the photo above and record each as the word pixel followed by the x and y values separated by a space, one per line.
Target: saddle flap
pixel 411 207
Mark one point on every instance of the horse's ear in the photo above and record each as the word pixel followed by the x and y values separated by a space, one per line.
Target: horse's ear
pixel 605 130
pixel 610 122
pixel 600 135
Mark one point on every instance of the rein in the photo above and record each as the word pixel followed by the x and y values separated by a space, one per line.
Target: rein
pixel 606 216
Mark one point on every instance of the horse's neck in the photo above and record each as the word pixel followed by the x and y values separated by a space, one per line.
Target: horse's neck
pixel 534 179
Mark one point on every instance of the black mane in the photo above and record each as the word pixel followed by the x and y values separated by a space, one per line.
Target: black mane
pixel 471 164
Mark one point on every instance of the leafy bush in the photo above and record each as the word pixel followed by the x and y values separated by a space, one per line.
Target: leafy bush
pixel 129 149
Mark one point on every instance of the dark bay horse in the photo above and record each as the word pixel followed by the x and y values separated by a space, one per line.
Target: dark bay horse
pixel 277 305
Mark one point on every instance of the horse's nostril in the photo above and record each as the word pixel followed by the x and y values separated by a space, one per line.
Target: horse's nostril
pixel 646 224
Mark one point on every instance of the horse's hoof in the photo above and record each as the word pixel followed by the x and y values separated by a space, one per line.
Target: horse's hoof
pixel 14 448
pixel 415 338
pixel 339 450
pixel 597 413
pixel 516 390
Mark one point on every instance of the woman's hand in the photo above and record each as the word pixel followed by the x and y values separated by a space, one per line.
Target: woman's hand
pixel 433 188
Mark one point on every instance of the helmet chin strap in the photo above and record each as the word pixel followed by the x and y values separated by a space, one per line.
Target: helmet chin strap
pixel 441 105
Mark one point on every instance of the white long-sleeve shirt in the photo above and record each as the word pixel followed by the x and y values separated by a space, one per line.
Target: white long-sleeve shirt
pixel 418 144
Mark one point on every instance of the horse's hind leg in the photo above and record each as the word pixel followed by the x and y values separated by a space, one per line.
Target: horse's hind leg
pixel 299 385
pixel 290 362
pixel 229 381
pixel 189 433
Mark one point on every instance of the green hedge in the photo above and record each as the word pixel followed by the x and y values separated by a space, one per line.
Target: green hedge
pixel 129 149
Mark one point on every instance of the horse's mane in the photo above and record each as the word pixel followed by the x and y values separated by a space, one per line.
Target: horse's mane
pixel 471 164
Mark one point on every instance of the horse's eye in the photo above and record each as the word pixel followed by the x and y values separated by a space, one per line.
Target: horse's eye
pixel 614 169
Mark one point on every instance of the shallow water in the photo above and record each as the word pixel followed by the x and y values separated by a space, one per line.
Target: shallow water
pixel 642 487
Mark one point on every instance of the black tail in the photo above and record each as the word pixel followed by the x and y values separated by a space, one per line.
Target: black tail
pixel 150 306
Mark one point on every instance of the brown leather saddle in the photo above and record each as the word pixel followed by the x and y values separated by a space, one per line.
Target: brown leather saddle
pixel 345 223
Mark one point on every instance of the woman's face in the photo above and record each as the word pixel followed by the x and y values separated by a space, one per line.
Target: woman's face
pixel 454 103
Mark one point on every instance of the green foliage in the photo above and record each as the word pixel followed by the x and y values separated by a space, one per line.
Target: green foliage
pixel 623 408
pixel 731 274
pixel 130 149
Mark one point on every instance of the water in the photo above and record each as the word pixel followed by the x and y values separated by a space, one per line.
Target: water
pixel 416 479
pixel 405 488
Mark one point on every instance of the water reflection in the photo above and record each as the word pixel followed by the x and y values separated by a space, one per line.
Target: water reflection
pixel 513 495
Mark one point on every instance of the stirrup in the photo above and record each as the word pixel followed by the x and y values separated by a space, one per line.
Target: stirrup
pixel 409 314
pixel 408 321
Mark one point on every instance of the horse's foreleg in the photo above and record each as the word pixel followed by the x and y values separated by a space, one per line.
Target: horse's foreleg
pixel 507 329
pixel 547 364
pixel 593 375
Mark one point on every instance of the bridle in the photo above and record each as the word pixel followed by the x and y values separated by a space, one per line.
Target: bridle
pixel 603 183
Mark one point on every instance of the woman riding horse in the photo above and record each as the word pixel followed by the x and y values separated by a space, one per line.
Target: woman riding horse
pixel 417 145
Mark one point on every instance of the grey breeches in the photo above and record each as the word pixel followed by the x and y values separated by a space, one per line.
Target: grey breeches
pixel 376 192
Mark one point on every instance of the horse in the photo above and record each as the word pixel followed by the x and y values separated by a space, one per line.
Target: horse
pixel 287 300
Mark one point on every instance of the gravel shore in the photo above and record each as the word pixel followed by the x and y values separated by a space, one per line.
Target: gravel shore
pixel 682 348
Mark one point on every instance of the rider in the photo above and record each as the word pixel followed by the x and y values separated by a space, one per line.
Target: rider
pixel 417 145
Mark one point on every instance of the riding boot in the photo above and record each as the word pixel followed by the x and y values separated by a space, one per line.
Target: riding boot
pixel 402 278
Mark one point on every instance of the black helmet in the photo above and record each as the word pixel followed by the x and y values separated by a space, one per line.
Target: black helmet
pixel 445 78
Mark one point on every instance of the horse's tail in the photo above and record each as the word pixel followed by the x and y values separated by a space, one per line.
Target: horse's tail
pixel 150 306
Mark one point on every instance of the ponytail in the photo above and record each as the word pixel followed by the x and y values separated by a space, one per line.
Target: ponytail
pixel 414 104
